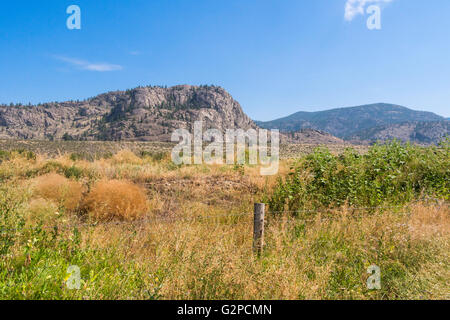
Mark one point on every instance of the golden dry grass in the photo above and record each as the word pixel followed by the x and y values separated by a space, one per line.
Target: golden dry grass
pixel 126 156
pixel 109 199
pixel 192 246
pixel 430 221
pixel 212 258
pixel 64 192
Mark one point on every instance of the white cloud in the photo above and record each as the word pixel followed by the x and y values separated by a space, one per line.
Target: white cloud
pixel 85 65
pixel 356 7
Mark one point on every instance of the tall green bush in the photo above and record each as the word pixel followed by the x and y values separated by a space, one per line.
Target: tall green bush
pixel 391 173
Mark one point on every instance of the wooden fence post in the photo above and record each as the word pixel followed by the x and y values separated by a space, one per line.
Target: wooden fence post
pixel 258 228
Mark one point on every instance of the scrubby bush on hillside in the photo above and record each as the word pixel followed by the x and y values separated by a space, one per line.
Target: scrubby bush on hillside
pixel 390 173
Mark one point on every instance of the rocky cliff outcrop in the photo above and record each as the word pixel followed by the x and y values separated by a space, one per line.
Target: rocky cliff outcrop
pixel 144 113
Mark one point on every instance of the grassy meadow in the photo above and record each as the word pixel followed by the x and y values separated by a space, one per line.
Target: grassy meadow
pixel 140 227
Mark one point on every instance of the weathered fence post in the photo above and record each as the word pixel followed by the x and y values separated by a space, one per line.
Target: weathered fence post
pixel 258 228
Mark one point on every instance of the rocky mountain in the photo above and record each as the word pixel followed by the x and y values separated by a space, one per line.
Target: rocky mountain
pixel 144 113
pixel 422 132
pixel 347 122
pixel 310 136
pixel 153 113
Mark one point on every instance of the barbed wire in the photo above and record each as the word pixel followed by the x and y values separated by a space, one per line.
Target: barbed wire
pixel 168 219
pixel 173 219
pixel 352 208
pixel 338 217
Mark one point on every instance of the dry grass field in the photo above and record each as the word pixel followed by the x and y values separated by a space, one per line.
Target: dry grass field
pixel 140 227
pixel 90 150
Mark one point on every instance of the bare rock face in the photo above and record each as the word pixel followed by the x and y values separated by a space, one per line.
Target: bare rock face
pixel 144 113
pixel 311 136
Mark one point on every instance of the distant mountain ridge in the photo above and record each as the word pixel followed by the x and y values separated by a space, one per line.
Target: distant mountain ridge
pixel 424 132
pixel 152 113
pixel 368 123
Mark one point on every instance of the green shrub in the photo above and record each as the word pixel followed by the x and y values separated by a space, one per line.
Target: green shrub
pixel 29 155
pixel 10 222
pixel 7 155
pixel 4 155
pixel 56 167
pixel 391 173
pixel 76 156
pixel 155 156
pixel 73 172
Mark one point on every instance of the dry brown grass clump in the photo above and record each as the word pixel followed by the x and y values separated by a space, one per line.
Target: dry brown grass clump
pixel 64 192
pixel 430 221
pixel 109 199
pixel 126 156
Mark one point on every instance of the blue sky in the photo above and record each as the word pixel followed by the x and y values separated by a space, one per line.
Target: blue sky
pixel 275 57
